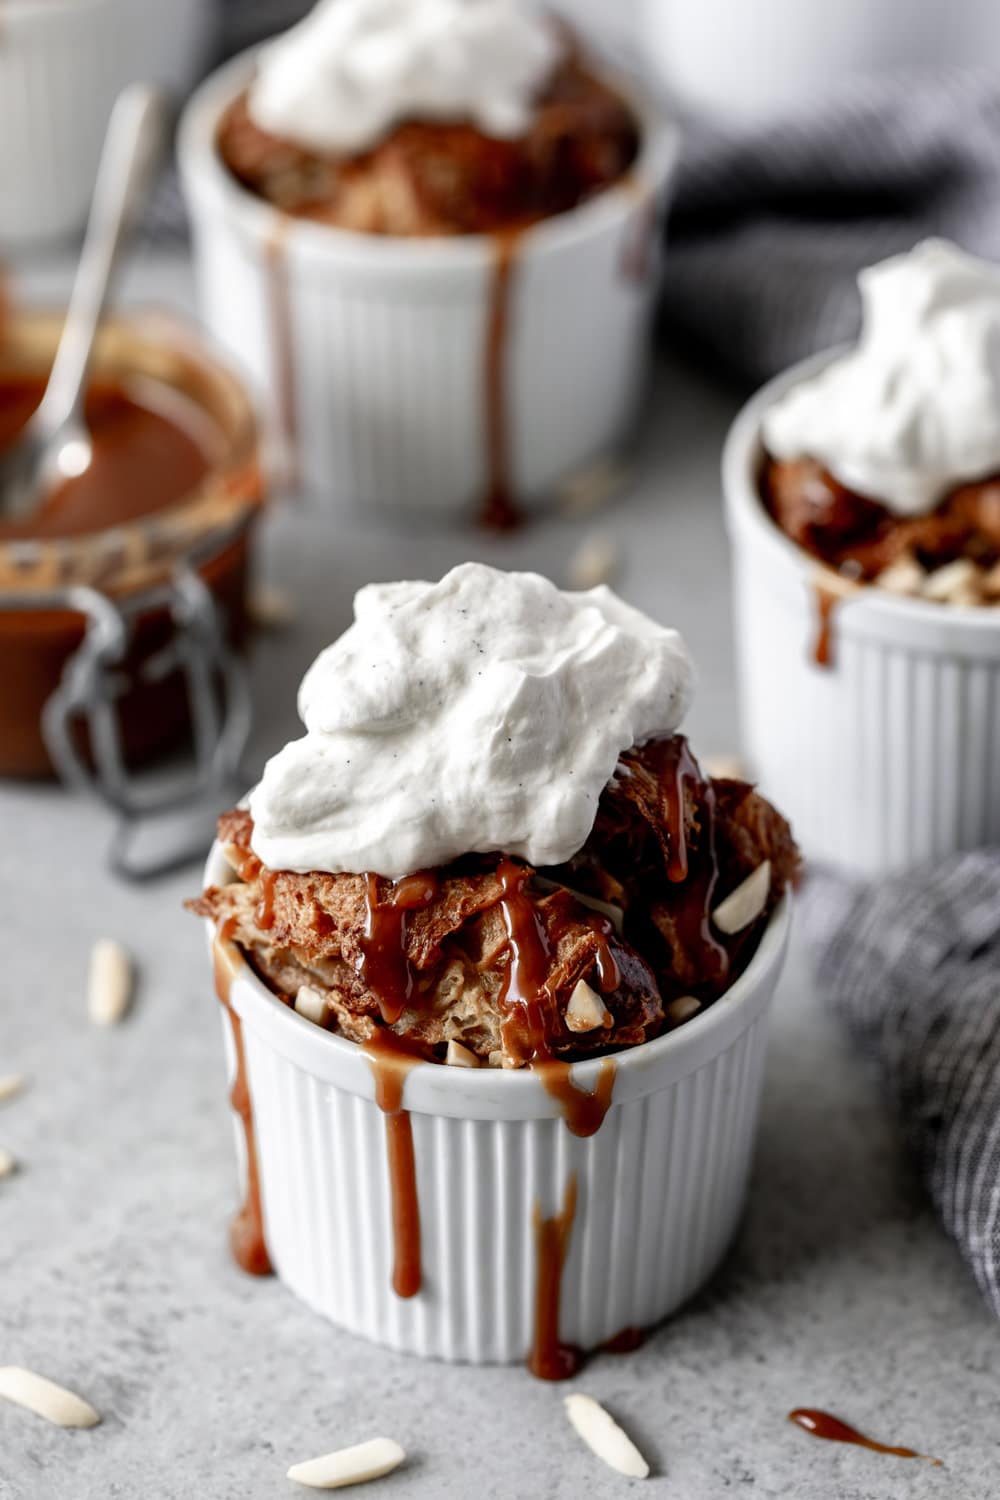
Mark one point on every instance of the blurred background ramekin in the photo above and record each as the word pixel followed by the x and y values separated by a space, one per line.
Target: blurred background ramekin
pixel 660 1186
pixel 62 64
pixel 371 350
pixel 890 754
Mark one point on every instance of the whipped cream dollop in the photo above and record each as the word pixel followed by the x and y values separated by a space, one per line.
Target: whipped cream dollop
pixel 487 711
pixel 914 409
pixel 353 69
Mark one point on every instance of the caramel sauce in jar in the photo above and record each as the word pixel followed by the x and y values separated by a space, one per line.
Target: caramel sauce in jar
pixel 174 456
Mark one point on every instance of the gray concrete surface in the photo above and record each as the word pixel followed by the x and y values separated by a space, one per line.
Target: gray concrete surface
pixel 840 1292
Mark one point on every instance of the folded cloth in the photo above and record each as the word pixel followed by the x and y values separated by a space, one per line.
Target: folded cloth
pixel 913 966
pixel 771 224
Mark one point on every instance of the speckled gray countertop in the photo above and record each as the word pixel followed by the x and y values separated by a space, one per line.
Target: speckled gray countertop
pixel 840 1292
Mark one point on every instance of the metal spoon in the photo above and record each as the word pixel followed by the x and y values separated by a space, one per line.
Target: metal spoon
pixel 55 443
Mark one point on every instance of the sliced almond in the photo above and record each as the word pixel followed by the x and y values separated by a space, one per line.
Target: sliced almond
pixel 991 582
pixel 459 1056
pixel 604 1437
pixel 349 1465
pixel 596 560
pixel 724 767
pixel 8 1164
pixel 904 575
pixel 949 584
pixel 586 1010
pixel 745 904
pixel 592 486
pixel 45 1398
pixel 109 989
pixel 270 608
pixel 10 1085
pixel 682 1009
pixel 311 1004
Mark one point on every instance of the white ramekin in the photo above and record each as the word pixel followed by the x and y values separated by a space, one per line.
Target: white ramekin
pixel 889 755
pixel 371 351
pixel 62 64
pixel 660 1186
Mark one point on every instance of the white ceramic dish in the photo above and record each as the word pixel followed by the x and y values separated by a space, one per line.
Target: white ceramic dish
pixel 891 753
pixel 659 1186
pixel 62 64
pixel 373 352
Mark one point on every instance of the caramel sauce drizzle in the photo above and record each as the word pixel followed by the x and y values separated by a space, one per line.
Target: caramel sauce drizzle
pixel 384 966
pixel 500 511
pixel 583 1113
pixel 638 258
pixel 693 915
pixel 823 648
pixel 627 1341
pixel 246 1234
pixel 822 1425
pixel 391 1059
pixel 549 1358
pixel 264 914
pixel 524 993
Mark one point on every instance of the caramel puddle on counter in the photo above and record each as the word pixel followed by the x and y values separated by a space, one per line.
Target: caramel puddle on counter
pixel 279 315
pixel 499 509
pixel 390 1062
pixel 246 1234
pixel 822 1425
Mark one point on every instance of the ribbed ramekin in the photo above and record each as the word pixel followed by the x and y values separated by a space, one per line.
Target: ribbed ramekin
pixel 890 754
pixel 371 351
pixel 62 63
pixel 659 1187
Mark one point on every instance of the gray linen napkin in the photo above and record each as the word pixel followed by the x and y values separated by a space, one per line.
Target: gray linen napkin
pixel 913 966
pixel 771 225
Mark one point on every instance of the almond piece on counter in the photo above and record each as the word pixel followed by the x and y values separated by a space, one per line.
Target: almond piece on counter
pixel 8 1163
pixel 904 575
pixel 11 1084
pixel 311 1004
pixel 596 560
pixel 592 486
pixel 604 1437
pixel 682 1009
pixel 270 608
pixel 460 1056
pixel 45 1398
pixel 109 988
pixel 349 1465
pixel 586 1010
pixel 745 904
pixel 953 583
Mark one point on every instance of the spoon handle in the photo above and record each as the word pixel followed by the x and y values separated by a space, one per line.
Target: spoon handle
pixel 131 151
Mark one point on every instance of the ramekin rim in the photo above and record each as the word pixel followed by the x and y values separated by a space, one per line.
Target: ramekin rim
pixel 741 455
pixel 198 159
pixel 685 1047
